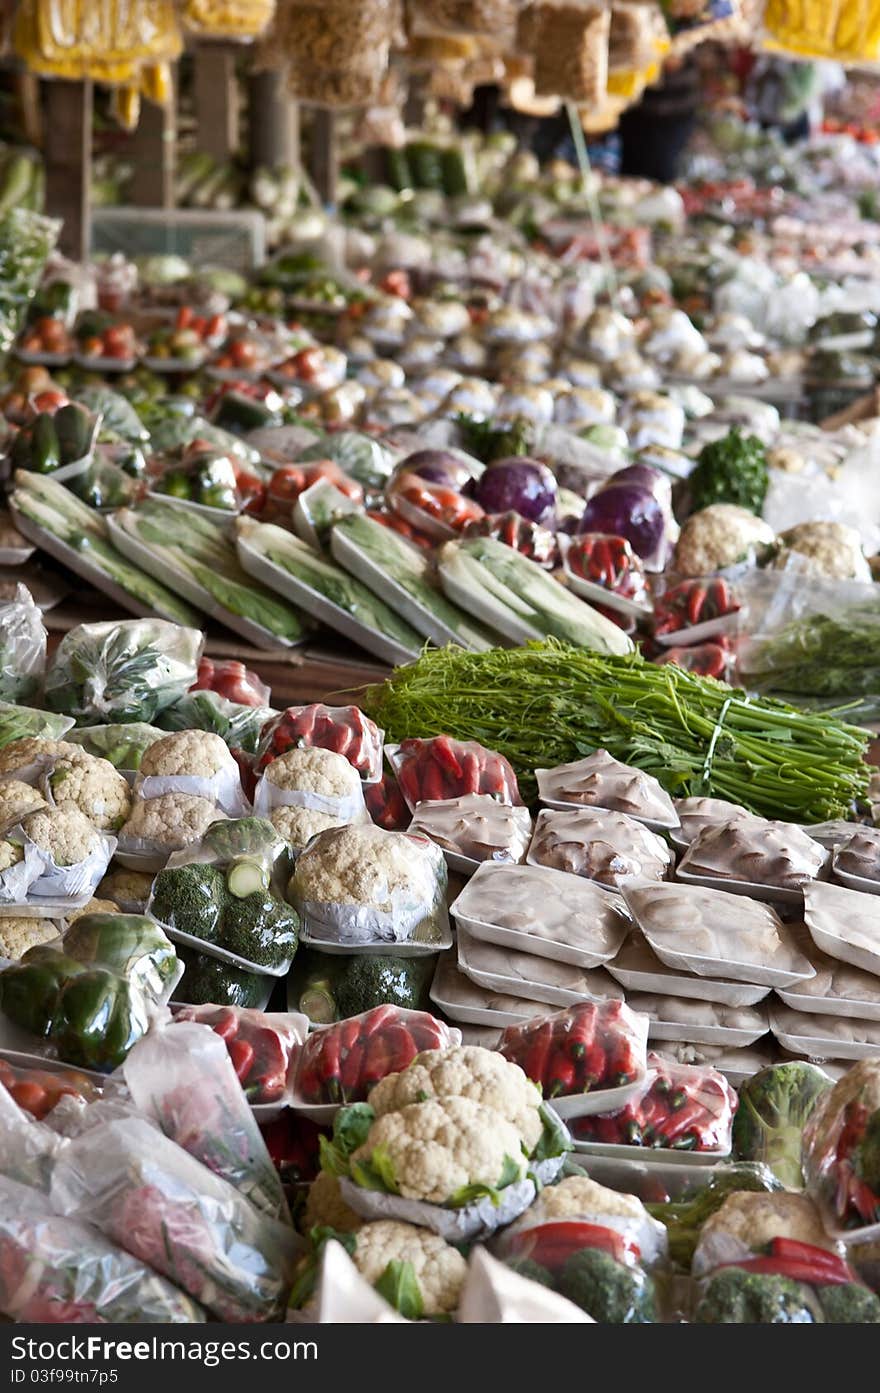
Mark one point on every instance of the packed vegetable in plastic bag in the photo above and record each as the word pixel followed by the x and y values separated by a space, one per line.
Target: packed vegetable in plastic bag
pixel 37 1091
pixel 220 891
pixel 681 1107
pixel 123 743
pixel 774 1106
pixel 610 562
pixel 343 729
pixel 430 770
pixel 593 1246
pixel 529 538
pixel 22 647
pixel 58 1271
pixel 25 723
pixel 167 1209
pixel 239 725
pixel 260 1047
pixel 359 884
pixel 341 1063
pixel 195 763
pixel 685 1216
pixel 583 1049
pixel 233 681
pixel 330 987
pixel 28 1148
pixel 693 602
pixel 841 1155
pixel 767 1260
pixel 122 671
pixel 93 999
pixel 386 804
pixel 183 1079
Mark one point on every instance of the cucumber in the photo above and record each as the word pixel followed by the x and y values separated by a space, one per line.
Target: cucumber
pixel 397 169
pixel 73 428
pixel 246 876
pixel 426 162
pixel 45 450
pixel 239 413
pixel 316 1002
pixel 194 169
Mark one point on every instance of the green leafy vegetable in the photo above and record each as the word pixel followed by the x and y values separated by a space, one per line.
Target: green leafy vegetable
pixel 774 1106
pixel 824 654
pixel 400 1288
pixel 487 442
pixel 731 470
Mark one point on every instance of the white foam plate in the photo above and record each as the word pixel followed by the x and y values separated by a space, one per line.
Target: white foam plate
pixel 774 894
pixel 44 909
pixel 214 950
pixel 142 861
pixel 530 943
pixel 820 1047
pixel 597 594
pixel 383 948
pixel 104 365
pixel 614 1151
pixel 488 612
pixel 855 882
pixel 562 806
pixel 702 633
pixel 172 365
pixel 603 1100
pixel 696 988
pixel 704 1034
pixel 845 952
pixel 831 1005
pixel 721 968
pixel 514 986
pixel 42 360
pixel 320 608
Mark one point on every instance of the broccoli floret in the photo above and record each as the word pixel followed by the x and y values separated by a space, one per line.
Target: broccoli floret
pixel 192 899
pixel 369 982
pixel 208 981
pixel 866 1159
pixel 261 929
pixel 737 1297
pixel 525 1267
pixel 731 470
pixel 606 1290
pixel 849 1304
pixel 685 1218
pixel 774 1106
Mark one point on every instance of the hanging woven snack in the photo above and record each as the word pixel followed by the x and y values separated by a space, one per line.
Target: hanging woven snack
pixel 637 37
pixel 228 19
pixel 494 18
pixel 337 50
pixel 107 42
pixel 569 44
pixel 839 30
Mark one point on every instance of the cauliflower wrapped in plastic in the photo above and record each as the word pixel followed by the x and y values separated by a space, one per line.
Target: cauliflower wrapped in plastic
pixel 171 821
pixel 188 753
pixel 438 1151
pixel 94 906
pixel 719 536
pixel 10 855
pixel 466 1071
pixel 16 799
pixel 18 754
pixel 315 770
pixel 325 1207
pixel 92 786
pixel 65 833
pixel 17 935
pixel 831 549
pixel 298 825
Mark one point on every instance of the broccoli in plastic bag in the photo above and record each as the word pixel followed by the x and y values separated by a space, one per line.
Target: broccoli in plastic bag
pixel 127 671
pixel 22 647
pixel 238 725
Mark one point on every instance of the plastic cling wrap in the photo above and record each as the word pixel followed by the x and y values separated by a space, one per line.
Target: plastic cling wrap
pixel 341 1063
pixel 55 1270
pixel 168 1210
pixel 261 1047
pixel 343 729
pixel 681 1107
pixel 122 671
pixel 432 770
pixel 841 1152
pixel 587 1048
pixel 22 647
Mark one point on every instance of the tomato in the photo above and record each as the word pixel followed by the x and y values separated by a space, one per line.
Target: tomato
pixel 118 337
pixel 396 283
pixel 50 400
pixel 286 484
pixel 244 353
pixel 308 364
pixel 215 326
pixel 184 317
pixel 93 347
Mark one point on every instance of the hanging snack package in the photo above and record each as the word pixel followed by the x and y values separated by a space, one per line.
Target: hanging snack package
pixel 183 1079
pixel 228 19
pixel 766 1259
pixel 569 45
pixel 122 671
pixel 59 1271
pixel 169 1211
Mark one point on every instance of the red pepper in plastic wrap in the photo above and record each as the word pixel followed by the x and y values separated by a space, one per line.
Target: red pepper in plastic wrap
pixel 386 804
pixel 531 540
pixel 343 729
pixel 682 1107
pixel 232 680
pixel 431 770
pixel 260 1047
pixel 608 561
pixel 707 659
pixel 582 1049
pixel 341 1063
pixel 693 602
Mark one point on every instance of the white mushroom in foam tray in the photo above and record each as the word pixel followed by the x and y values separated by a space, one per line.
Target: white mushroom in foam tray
pixel 601 781
pixel 476 827
pixel 605 846
pixel 756 851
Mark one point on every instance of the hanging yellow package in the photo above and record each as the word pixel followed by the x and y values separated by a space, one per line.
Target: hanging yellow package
pixel 228 19
pixel 840 30
pixel 105 40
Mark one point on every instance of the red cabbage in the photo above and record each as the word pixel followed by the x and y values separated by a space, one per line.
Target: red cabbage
pixel 522 485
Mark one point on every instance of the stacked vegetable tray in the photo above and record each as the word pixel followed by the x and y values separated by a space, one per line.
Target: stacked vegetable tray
pixel 538 981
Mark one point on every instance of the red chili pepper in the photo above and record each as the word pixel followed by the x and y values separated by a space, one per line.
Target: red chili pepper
pixel 427 1033
pixel 350 1074
pixel 225 1023
pixel 583 1029
pixel 833 1268
pixel 377 1019
pixel 796 1270
pixel 379 1060
pixel 349 1033
pixel 242 1055
pixel 689 1118
pixel 409 782
pixel 445 756
pixel 551 1244
pixel 560 1078
pixel 591 1070
pixel 433 788
pixel 402 1046
pixel 309 1084
pixel 329 1064
pixel 696 599
pixel 470 772
pixel 537 1053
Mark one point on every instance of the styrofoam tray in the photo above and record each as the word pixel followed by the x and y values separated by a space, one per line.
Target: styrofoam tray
pixel 172 365
pixel 696 988
pixel 26 1060
pixel 214 950
pixel 78 563
pixel 830 834
pixel 222 517
pixel 529 943
pixel 560 805
pixel 42 360
pixel 819 1046
pixel 384 948
pixel 702 633
pixel 488 612
pixel 353 559
pixel 845 952
pixel 603 1100
pixel 476 1015
pixel 855 882
pixel 16 556
pixel 322 609
pixel 725 969
pixel 104 365
pixel 704 1034
pixel 775 894
pixel 616 1151
pixel 35 908
pixel 831 1005
pixel 598 595
pixel 142 861
pixel 514 986
pixel 137 551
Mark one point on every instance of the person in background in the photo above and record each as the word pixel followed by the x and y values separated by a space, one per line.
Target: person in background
pixel 788 96
pixel 654 132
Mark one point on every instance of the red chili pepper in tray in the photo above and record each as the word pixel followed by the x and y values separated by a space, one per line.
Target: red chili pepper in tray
pixel 552 1244
pixel 693 602
pixel 608 561
pixel 706 659
pixel 342 1062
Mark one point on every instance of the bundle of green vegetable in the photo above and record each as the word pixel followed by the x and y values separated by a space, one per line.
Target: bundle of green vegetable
pixel 546 704
pixel 832 654
pixel 731 470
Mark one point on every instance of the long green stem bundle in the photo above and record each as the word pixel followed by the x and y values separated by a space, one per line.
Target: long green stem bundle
pixel 546 704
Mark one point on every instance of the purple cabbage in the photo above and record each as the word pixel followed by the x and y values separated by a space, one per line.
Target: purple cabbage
pixel 635 503
pixel 438 467
pixel 520 485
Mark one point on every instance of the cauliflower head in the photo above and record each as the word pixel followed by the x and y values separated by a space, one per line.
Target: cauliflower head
pixel 755 1218
pixel 126 887
pixel 16 799
pixel 434 1149
pixel 362 864
pixel 439 1268
pixel 325 1206
pixel 579 1197
pixel 10 855
pixel 171 821
pixel 832 550
pixel 93 786
pixel 466 1071
pixel 17 935
pixel 94 906
pixel 316 771
pixel 66 833
pixel 189 753
pixel 718 536
pixel 19 753
pixel 298 825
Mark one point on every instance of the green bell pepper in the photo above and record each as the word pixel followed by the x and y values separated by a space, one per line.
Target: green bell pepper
pixel 99 1017
pixel 129 944
pixel 30 989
